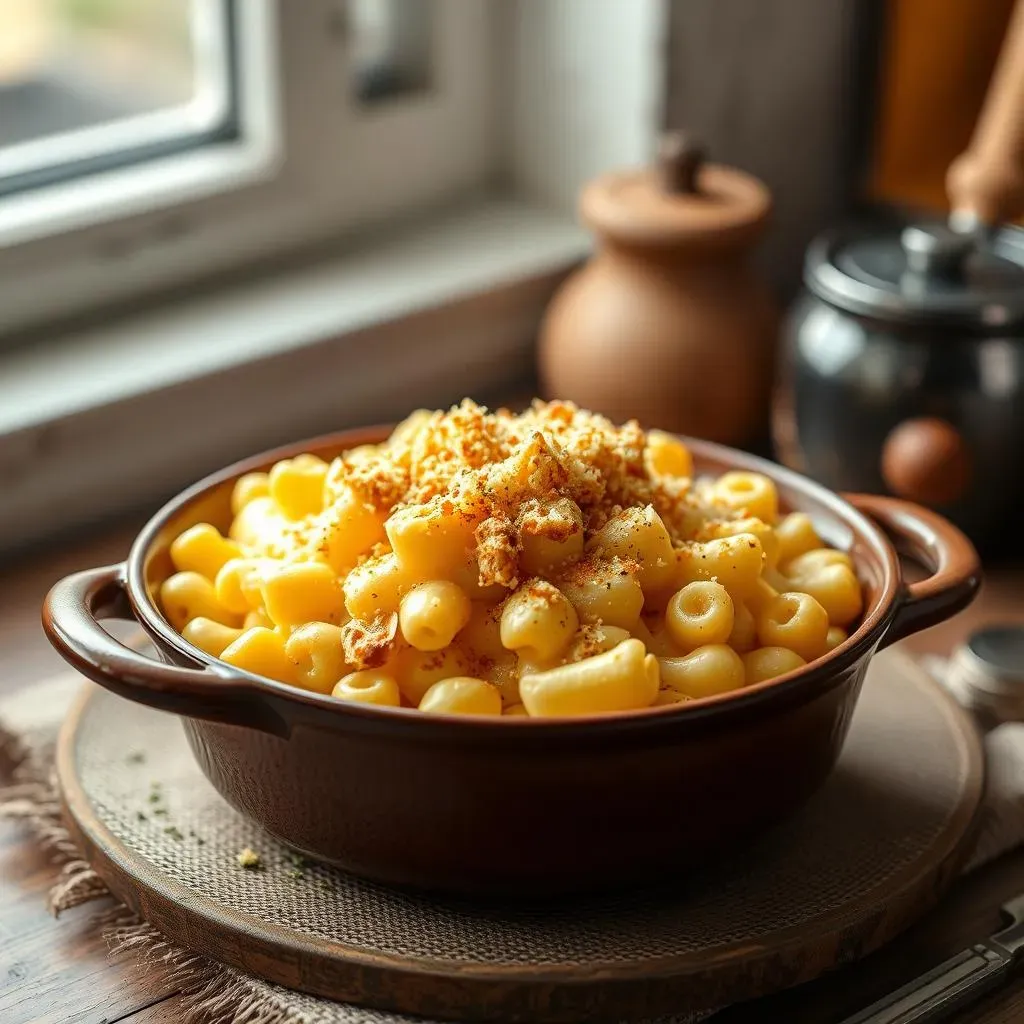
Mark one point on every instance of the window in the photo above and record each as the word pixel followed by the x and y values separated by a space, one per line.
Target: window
pixel 462 128
pixel 91 84
pixel 146 147
pixel 225 131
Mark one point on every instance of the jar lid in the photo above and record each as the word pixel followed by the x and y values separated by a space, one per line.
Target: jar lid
pixel 681 199
pixel 986 673
pixel 994 658
pixel 924 273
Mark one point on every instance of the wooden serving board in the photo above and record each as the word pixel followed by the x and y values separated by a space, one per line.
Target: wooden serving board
pixel 872 851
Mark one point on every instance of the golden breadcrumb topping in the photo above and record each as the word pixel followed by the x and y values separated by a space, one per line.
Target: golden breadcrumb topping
pixel 367 644
pixel 497 551
pixel 538 474
pixel 508 466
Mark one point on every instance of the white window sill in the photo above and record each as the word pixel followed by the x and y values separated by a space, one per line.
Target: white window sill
pixel 118 417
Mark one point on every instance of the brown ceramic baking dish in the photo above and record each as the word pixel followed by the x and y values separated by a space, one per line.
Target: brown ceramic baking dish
pixel 513 805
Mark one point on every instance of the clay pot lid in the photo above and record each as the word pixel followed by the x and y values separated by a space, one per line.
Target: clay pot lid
pixel 681 200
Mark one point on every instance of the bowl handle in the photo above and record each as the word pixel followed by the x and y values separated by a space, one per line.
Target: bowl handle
pixel 939 546
pixel 72 613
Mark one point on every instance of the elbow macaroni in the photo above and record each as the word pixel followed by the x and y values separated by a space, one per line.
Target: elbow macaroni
pixel 297 485
pixel 735 562
pixel 605 592
pixel 743 637
pixel 699 614
pixel 187 595
pixel 368 687
pixel 303 592
pixel 795 621
pixel 462 695
pixel 639 535
pixel 538 620
pixel 316 650
pixel 622 679
pixel 202 549
pixel 210 636
pixel 751 493
pixel 666 456
pixel 417 671
pixel 542 565
pixel 432 613
pixel 705 672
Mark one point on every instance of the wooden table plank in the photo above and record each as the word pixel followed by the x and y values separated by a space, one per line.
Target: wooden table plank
pixel 56 971
pixel 168 1011
pixel 59 971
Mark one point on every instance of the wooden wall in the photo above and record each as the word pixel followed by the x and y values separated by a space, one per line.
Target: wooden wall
pixel 938 58
pixel 835 104
pixel 778 88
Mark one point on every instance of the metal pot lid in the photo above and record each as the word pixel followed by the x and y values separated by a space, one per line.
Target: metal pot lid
pixel 923 274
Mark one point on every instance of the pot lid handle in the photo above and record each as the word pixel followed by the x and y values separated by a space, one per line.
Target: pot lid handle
pixel 986 183
pixel 681 199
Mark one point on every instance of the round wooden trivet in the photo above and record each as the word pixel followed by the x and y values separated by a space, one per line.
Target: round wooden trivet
pixel 872 851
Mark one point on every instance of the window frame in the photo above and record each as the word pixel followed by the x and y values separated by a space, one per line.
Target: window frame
pixel 436 307
pixel 286 180
pixel 207 116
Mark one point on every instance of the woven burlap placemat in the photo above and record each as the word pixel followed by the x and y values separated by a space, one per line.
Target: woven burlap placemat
pixel 145 787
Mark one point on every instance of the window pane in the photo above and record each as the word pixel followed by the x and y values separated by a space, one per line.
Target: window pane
pixel 85 84
pixel 391 46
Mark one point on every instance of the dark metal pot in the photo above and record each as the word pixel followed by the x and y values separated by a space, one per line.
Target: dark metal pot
pixel 903 365
pixel 903 371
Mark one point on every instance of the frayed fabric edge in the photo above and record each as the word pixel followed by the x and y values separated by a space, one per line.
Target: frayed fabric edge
pixel 210 992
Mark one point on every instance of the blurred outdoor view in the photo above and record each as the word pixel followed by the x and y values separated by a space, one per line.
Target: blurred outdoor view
pixel 70 64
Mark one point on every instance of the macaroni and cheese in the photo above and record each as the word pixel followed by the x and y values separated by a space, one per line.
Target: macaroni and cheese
pixel 541 564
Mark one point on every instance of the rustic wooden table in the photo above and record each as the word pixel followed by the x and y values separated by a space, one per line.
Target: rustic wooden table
pixel 59 972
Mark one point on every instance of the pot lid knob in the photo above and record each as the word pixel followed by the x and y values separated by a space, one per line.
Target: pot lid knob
pixel 936 250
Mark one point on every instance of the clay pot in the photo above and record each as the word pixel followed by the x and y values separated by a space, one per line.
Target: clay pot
pixel 504 805
pixel 668 323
